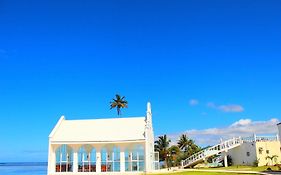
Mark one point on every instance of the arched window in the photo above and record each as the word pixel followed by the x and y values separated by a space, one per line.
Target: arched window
pixel 134 159
pixel 116 159
pixel 87 159
pixel 110 159
pixel 64 159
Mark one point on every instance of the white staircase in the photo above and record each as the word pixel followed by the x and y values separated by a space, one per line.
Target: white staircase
pixel 214 150
pixel 218 159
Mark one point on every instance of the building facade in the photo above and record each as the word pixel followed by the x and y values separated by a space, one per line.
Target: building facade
pixel 103 146
pixel 259 150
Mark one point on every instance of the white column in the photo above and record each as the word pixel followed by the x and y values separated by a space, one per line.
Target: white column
pixel 225 160
pixel 148 157
pixel 149 140
pixel 75 160
pixel 98 159
pixel 122 159
pixel 51 159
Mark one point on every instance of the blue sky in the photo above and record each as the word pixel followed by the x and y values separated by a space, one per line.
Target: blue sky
pixel 202 64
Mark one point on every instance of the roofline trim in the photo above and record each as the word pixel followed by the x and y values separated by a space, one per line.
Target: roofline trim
pixel 74 120
pixel 57 126
pixel 97 142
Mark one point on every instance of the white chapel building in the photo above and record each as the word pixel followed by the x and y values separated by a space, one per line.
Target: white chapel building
pixel 103 146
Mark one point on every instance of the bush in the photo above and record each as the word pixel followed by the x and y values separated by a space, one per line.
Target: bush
pixel 256 163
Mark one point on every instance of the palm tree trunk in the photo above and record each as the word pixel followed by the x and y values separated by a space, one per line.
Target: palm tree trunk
pixel 118 111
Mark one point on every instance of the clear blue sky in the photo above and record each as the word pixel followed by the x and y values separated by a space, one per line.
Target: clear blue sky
pixel 70 58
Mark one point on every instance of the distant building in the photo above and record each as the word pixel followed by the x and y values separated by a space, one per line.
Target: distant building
pixel 256 149
pixel 117 145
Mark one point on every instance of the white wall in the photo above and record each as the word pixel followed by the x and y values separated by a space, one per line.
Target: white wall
pixel 239 154
pixel 149 141
pixel 279 129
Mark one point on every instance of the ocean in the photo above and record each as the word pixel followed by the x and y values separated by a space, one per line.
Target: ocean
pixel 23 168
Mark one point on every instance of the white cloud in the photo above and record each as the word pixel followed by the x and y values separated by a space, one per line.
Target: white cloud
pixel 231 108
pixel 226 108
pixel 243 128
pixel 242 122
pixel 193 102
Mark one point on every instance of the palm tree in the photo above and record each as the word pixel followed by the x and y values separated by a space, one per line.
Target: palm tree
pixel 187 145
pixel 174 154
pixel 183 142
pixel 118 103
pixel 162 146
pixel 192 148
pixel 271 158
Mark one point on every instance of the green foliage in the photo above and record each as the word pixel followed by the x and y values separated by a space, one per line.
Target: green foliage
pixel 272 158
pixel 118 103
pixel 173 155
pixel 174 152
pixel 162 146
pixel 183 142
pixel 256 163
pixel 188 146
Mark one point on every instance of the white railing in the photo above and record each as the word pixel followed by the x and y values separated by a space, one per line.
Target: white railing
pixel 259 138
pixel 216 149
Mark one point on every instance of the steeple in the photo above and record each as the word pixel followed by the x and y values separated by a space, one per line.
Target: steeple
pixel 148 115
pixel 149 140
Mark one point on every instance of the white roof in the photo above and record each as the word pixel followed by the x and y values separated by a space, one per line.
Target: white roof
pixel 99 130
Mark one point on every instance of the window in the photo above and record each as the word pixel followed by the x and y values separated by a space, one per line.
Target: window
pixel 64 159
pixel 260 150
pixel 103 160
pixel 110 160
pixel 87 159
pixel 134 159
pixel 248 154
pixel 156 161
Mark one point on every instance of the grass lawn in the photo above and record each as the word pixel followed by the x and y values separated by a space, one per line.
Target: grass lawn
pixel 245 168
pixel 231 168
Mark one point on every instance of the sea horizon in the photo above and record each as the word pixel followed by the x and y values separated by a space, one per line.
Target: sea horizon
pixel 24 163
pixel 23 168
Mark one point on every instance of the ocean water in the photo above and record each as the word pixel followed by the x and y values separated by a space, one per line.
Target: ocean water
pixel 23 168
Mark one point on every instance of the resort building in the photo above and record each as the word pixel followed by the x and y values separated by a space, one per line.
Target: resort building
pixel 103 146
pixel 259 150
pixel 254 150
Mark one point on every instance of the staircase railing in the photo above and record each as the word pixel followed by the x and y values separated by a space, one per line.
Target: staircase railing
pixel 216 149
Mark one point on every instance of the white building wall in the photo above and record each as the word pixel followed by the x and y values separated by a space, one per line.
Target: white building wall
pixel 239 154
pixel 149 141
pixel 279 129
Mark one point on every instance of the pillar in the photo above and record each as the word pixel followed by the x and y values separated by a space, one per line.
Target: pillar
pixel 225 160
pixel 75 160
pixel 122 159
pixel 51 159
pixel 98 160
